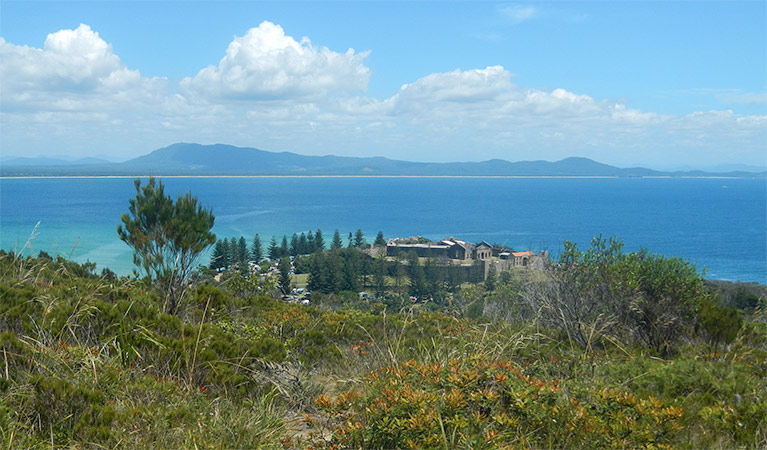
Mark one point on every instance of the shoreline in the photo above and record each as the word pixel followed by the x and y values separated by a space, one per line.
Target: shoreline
pixel 75 177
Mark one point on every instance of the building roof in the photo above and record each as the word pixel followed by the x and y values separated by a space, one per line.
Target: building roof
pixel 518 254
pixel 453 241
pixel 429 245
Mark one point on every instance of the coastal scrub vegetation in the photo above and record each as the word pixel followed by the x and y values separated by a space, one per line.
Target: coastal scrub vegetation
pixel 90 360
pixel 602 349
pixel 167 237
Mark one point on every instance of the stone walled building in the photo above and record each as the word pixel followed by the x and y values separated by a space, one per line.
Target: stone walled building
pixel 511 260
pixel 483 251
pixel 450 248
pixel 457 250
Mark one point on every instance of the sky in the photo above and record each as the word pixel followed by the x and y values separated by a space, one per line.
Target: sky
pixel 657 84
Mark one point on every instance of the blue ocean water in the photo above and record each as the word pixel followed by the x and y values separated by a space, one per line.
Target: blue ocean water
pixel 719 224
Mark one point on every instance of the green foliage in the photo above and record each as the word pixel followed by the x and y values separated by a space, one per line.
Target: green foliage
pixel 743 296
pixel 91 362
pixel 68 410
pixel 338 270
pixel 167 237
pixel 319 242
pixel 475 309
pixel 668 294
pixel 242 252
pixel 218 259
pixel 720 324
pixel 359 239
pixel 274 251
pixel 232 252
pixel 284 267
pixel 336 243
pixel 602 294
pixel 471 403
pixel 256 249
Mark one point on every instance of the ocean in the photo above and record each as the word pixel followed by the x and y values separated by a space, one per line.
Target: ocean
pixel 718 224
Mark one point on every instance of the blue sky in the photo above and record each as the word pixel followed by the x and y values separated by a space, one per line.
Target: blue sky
pixel 658 84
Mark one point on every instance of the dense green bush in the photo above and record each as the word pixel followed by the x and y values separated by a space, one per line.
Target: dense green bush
pixel 471 403
pixel 93 362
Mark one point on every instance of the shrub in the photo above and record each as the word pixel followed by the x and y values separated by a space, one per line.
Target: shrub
pixel 474 403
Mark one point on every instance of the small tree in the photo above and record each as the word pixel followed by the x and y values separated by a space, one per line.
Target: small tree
pixel 303 245
pixel 242 252
pixel 380 241
pixel 359 239
pixel 416 273
pixel 217 260
pixel 233 252
pixel 319 241
pixel 167 237
pixel 284 247
pixel 336 243
pixel 284 267
pixel 274 249
pixel 256 251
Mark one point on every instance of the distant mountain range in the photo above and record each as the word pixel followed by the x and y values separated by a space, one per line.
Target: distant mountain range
pixel 220 159
pixel 48 162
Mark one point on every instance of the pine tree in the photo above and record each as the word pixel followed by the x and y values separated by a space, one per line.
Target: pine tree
pixel 226 258
pixel 379 274
pixel 303 244
pixel 351 270
pixel 242 252
pixel 217 260
pixel 284 248
pixel 294 250
pixel 310 244
pixel 233 252
pixel 274 249
pixel 351 241
pixel 319 242
pixel 336 243
pixel 359 239
pixel 256 251
pixel 417 276
pixel 380 241
pixel 167 237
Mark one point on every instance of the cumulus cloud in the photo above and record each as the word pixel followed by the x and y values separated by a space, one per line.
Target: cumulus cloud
pixel 483 111
pixel 265 63
pixel 278 93
pixel 487 95
pixel 74 70
pixel 457 86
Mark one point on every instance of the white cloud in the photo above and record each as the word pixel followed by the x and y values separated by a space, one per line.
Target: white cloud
pixel 267 64
pixel 518 13
pixel 75 70
pixel 482 114
pixel 274 92
pixel 469 86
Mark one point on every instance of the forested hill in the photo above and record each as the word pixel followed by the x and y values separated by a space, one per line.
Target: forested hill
pixel 220 159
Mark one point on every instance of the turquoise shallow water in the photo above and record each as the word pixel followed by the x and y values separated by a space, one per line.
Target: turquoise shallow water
pixel 717 223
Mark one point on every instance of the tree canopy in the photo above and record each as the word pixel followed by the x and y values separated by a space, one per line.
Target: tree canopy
pixel 167 237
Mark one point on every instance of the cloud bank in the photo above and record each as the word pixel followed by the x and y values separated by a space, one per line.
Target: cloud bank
pixel 75 70
pixel 272 91
pixel 265 64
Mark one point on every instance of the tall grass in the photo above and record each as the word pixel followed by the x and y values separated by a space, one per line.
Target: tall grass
pixel 92 362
